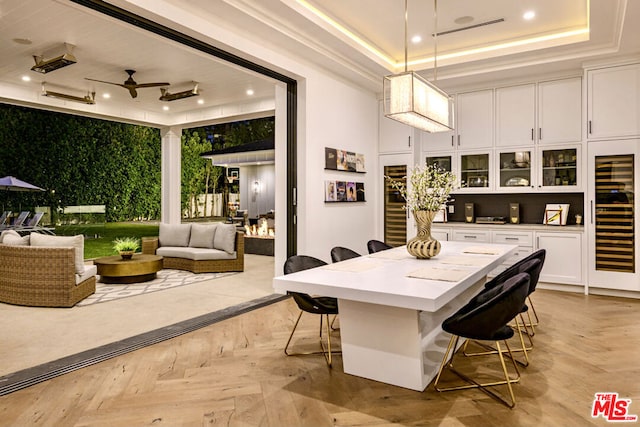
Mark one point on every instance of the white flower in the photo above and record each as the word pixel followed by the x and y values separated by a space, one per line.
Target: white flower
pixel 430 188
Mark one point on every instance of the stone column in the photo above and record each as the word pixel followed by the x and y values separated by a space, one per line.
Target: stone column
pixel 170 212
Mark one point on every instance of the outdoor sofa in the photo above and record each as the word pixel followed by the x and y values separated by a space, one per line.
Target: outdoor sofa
pixel 44 271
pixel 199 248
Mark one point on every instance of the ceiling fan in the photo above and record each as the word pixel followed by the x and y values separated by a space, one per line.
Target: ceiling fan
pixel 130 84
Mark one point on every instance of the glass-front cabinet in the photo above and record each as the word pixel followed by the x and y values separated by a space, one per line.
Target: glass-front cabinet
pixel 560 169
pixel 515 170
pixel 475 171
pixel 444 161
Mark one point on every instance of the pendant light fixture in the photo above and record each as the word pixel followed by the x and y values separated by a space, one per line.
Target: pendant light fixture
pixel 411 99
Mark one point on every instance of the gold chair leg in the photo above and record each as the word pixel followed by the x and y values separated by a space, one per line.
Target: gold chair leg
pixel 534 310
pixel 291 335
pixel 491 350
pixel 327 353
pixel 508 381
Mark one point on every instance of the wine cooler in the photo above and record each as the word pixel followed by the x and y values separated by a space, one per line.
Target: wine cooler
pixel 613 246
pixel 395 217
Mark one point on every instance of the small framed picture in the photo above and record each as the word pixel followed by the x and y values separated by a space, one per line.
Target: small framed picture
pixel 553 216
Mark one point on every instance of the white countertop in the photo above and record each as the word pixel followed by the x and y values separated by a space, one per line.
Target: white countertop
pixel 381 278
pixel 523 227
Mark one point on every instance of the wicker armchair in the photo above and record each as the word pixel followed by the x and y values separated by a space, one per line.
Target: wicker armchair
pixel 151 244
pixel 41 277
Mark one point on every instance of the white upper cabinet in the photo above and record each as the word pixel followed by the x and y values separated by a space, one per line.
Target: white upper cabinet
pixel 613 102
pixel 393 136
pixel 515 115
pixel 474 120
pixel 555 117
pixel 560 111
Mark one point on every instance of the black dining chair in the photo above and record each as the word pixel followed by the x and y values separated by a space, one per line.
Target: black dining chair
pixel 323 306
pixel 531 267
pixel 374 246
pixel 339 253
pixel 486 317
pixel 540 254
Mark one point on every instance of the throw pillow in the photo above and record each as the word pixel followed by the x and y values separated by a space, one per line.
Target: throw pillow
pixel 76 242
pixel 10 239
pixel 6 233
pixel 225 238
pixel 174 234
pixel 202 235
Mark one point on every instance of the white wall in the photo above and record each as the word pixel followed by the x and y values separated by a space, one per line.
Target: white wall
pixel 344 117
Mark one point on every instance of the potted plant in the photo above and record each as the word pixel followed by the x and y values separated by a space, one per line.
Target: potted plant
pixel 126 246
pixel 429 189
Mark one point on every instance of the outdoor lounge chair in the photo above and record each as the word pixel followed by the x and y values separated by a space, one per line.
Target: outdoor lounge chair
pixel 19 221
pixel 3 219
pixel 33 225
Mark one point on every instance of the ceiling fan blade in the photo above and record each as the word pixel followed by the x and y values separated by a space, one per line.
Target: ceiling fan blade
pixel 102 81
pixel 132 92
pixel 152 84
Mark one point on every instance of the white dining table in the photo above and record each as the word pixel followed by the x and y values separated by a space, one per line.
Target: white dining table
pixel 392 306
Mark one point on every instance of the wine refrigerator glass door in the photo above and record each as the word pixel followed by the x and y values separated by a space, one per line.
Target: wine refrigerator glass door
pixel 613 183
pixel 395 219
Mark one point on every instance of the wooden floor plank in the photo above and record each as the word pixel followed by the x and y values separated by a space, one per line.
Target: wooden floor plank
pixel 234 373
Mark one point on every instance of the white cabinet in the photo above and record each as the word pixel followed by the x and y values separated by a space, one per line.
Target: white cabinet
pixel 474 120
pixel 442 234
pixel 546 113
pixel 563 262
pixel 473 124
pixel 524 240
pixel 515 115
pixel 515 171
pixel 560 111
pixel 475 171
pixel 393 136
pixel 613 102
pixel 471 235
pixel 560 168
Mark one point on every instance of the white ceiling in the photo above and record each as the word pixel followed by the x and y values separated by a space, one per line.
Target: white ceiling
pixel 361 40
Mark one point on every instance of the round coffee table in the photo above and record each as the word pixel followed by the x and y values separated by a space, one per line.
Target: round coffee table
pixel 140 268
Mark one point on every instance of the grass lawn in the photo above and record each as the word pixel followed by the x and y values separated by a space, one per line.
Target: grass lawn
pixel 99 238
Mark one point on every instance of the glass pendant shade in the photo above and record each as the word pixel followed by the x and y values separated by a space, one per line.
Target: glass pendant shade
pixel 412 100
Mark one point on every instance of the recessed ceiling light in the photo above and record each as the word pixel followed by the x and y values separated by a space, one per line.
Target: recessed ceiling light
pixel 19 40
pixel 106 95
pixel 464 20
pixel 416 39
pixel 200 101
pixel 529 15
pixel 26 78
pixel 165 108
pixel 249 92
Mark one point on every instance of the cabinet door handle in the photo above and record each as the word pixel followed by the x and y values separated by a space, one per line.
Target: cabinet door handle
pixel 539 134
pixel 458 140
pixel 470 237
pixel 452 143
pixel 511 238
pixel 589 127
pixel 537 242
pixel 409 138
pixel 532 134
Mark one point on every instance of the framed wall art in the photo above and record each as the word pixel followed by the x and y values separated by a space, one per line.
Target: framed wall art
pixel 342 160
pixel 343 191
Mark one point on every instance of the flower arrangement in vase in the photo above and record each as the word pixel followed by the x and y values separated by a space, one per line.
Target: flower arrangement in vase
pixel 428 190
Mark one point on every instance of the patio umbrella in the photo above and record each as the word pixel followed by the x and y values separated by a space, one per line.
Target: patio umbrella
pixel 10 183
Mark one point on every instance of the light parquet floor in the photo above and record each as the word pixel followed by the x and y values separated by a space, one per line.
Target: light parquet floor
pixel 234 373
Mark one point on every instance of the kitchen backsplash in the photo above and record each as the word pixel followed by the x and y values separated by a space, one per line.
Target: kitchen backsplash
pixel 531 205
